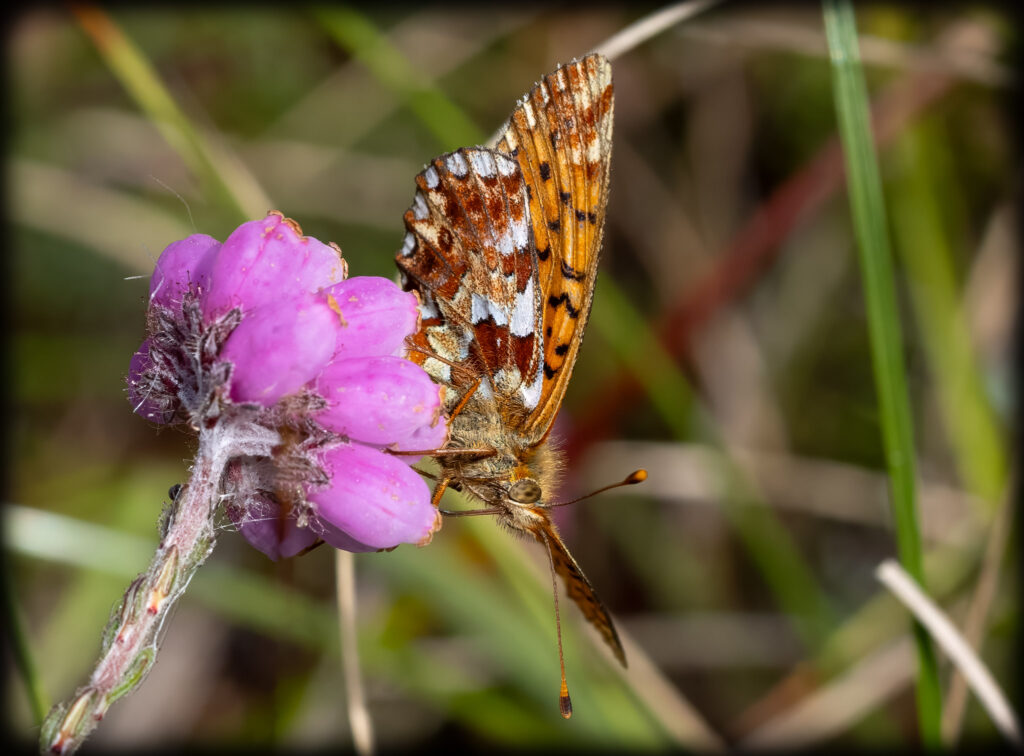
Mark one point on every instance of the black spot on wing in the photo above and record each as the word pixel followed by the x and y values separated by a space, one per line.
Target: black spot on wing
pixel 571 273
pixel 554 301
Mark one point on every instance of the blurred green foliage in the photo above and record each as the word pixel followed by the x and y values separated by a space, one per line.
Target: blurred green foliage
pixel 712 569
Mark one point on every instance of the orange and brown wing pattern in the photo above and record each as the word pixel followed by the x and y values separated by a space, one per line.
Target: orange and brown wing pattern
pixel 561 136
pixel 468 250
pixel 579 589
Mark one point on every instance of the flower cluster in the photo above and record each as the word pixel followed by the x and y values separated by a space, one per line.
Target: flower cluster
pixel 266 333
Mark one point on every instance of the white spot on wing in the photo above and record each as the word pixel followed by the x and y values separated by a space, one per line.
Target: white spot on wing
pixel 505 244
pixel 531 392
pixel 479 309
pixel 520 233
pixel 506 166
pixel 419 207
pixel 523 312
pixel 431 177
pixel 510 138
pixel 482 307
pixel 457 164
pixel 408 245
pixel 483 163
pixel 428 308
pixel 531 119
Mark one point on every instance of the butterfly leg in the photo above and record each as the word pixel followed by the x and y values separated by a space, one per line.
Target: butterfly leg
pixel 481 453
pixel 439 490
pixel 465 400
pixel 444 484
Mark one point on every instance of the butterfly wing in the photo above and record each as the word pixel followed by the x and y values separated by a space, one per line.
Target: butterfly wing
pixel 577 586
pixel 561 136
pixel 502 247
pixel 468 251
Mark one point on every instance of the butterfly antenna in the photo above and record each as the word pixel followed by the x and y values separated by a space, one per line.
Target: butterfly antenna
pixel 564 702
pixel 637 476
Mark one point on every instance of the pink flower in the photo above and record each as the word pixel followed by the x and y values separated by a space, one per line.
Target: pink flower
pixel 183 264
pixel 382 401
pixel 267 321
pixel 362 474
pixel 280 347
pixel 264 262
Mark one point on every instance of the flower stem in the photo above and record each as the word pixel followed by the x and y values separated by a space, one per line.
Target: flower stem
pixel 129 643
pixel 358 715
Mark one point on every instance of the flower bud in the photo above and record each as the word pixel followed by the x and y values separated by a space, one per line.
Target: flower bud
pixel 373 498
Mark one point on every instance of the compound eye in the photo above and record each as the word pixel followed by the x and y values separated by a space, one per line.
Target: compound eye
pixel 525 491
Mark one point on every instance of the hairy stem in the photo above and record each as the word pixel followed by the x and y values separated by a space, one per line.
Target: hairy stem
pixel 129 643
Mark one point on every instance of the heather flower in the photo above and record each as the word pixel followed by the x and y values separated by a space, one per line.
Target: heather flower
pixel 182 264
pixel 293 377
pixel 331 344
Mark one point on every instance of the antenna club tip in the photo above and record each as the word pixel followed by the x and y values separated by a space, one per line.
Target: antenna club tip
pixel 565 704
pixel 637 476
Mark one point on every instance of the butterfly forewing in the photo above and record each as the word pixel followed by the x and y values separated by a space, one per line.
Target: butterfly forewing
pixel 560 134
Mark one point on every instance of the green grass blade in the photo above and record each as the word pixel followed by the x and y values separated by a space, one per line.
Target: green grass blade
pixel 20 646
pixel 356 33
pixel 923 243
pixel 225 179
pixel 869 220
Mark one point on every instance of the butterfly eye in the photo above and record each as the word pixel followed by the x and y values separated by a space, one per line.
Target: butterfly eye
pixel 525 491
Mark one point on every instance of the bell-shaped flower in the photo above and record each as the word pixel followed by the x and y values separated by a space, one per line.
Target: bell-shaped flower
pixel 376 316
pixel 268 321
pixel 183 264
pixel 268 261
pixel 374 499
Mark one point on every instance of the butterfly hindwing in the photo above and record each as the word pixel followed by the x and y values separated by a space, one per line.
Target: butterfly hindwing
pixel 469 251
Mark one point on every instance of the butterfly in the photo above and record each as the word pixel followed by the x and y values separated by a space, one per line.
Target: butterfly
pixel 502 247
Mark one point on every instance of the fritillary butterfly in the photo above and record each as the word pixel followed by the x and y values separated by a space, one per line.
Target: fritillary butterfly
pixel 502 247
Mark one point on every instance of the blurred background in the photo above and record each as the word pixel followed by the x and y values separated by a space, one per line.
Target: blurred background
pixel 728 354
